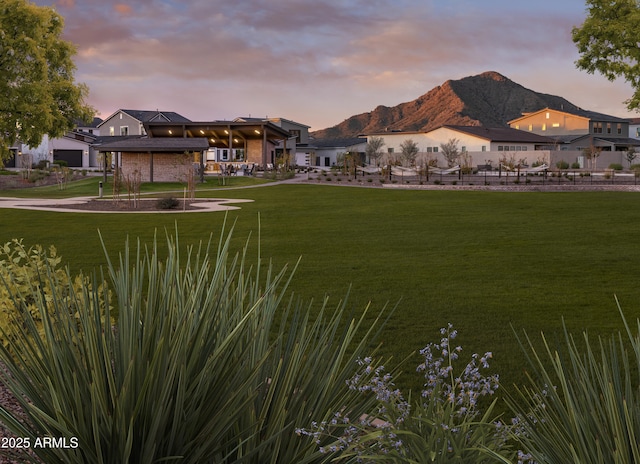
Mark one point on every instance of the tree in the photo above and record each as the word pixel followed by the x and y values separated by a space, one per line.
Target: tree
pixel 373 148
pixel 631 155
pixel 38 94
pixel 409 151
pixel 450 151
pixel 608 42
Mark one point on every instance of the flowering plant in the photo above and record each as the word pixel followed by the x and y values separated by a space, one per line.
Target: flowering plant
pixel 445 424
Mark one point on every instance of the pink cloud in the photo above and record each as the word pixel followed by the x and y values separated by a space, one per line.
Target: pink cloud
pixel 123 9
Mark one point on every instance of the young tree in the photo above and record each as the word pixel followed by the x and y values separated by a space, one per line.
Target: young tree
pixel 373 149
pixel 450 151
pixel 38 94
pixel 409 151
pixel 631 155
pixel 608 42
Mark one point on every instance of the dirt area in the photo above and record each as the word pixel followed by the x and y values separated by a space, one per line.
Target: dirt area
pixel 130 205
pixel 18 180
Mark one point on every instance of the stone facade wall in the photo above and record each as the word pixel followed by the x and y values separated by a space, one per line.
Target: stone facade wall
pixel 167 167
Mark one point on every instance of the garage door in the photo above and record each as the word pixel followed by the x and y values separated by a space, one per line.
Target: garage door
pixel 72 157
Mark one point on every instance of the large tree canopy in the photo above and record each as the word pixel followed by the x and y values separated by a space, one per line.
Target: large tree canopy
pixel 38 94
pixel 609 42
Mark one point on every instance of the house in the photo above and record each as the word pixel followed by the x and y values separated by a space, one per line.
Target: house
pixel 296 145
pixel 131 122
pixel 172 151
pixel 578 133
pixel 74 148
pixel 480 145
pixel 578 129
pixel 325 153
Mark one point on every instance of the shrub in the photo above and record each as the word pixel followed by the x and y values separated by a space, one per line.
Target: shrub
pixel 167 203
pixel 616 166
pixel 209 361
pixel 562 165
pixel 584 395
pixel 61 163
pixel 23 284
pixel 575 165
pixel 445 424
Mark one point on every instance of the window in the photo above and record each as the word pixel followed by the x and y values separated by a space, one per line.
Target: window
pixel 295 133
pixel 517 126
pixel 548 115
pixel 524 148
pixel 435 149
pixel 390 150
pixel 608 128
pixel 513 148
pixel 530 127
pixel 463 149
pixel 327 161
pixel 124 130
pixel 500 148
pixel 544 127
pixel 429 150
pixel 112 130
pixel 597 128
pixel 637 131
pixel 484 148
pixel 555 124
pixel 619 128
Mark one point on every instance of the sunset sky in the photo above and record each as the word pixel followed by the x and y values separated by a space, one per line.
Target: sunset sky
pixel 319 62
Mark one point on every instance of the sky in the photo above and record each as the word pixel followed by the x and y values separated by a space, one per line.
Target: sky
pixel 319 62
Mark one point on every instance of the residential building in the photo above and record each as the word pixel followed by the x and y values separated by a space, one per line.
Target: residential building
pixel 326 153
pixel 131 122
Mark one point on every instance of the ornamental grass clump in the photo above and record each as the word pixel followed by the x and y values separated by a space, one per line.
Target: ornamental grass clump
pixel 212 359
pixel 582 403
pixel 446 424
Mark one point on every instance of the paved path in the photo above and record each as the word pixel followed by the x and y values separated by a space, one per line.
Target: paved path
pixel 58 205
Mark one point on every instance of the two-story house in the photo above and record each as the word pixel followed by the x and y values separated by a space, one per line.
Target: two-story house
pixel 578 129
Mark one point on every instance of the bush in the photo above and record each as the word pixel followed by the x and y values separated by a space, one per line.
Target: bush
pixel 167 203
pixel 562 165
pixel 444 424
pixel 616 166
pixel 21 271
pixel 575 165
pixel 61 163
pixel 209 361
pixel 585 395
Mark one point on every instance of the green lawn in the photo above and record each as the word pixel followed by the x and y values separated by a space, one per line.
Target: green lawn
pixel 480 260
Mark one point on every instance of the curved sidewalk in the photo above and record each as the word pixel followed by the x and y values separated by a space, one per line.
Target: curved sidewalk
pixel 58 205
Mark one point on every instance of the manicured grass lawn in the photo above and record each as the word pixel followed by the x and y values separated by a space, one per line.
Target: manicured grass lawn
pixel 481 260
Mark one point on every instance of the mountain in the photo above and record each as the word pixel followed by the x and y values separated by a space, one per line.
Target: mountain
pixel 488 99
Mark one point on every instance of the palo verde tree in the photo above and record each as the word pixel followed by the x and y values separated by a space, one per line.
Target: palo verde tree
pixel 608 42
pixel 38 94
pixel 373 149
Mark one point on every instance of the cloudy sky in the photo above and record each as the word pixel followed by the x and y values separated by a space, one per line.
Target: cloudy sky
pixel 319 62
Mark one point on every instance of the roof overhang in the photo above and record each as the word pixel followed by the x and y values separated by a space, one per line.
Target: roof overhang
pixel 157 145
pixel 220 134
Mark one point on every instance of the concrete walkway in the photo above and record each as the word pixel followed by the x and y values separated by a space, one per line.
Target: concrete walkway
pixel 58 205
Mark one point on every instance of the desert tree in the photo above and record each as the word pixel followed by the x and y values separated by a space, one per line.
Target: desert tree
pixel 630 155
pixel 38 94
pixel 450 151
pixel 373 150
pixel 409 151
pixel 592 153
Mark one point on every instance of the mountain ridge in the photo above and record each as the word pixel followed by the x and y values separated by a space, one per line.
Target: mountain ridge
pixel 488 99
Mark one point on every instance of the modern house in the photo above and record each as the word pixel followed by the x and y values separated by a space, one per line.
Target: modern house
pixel 172 151
pixel 325 153
pixel 131 122
pixel 481 145
pixel 296 146
pixel 578 129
